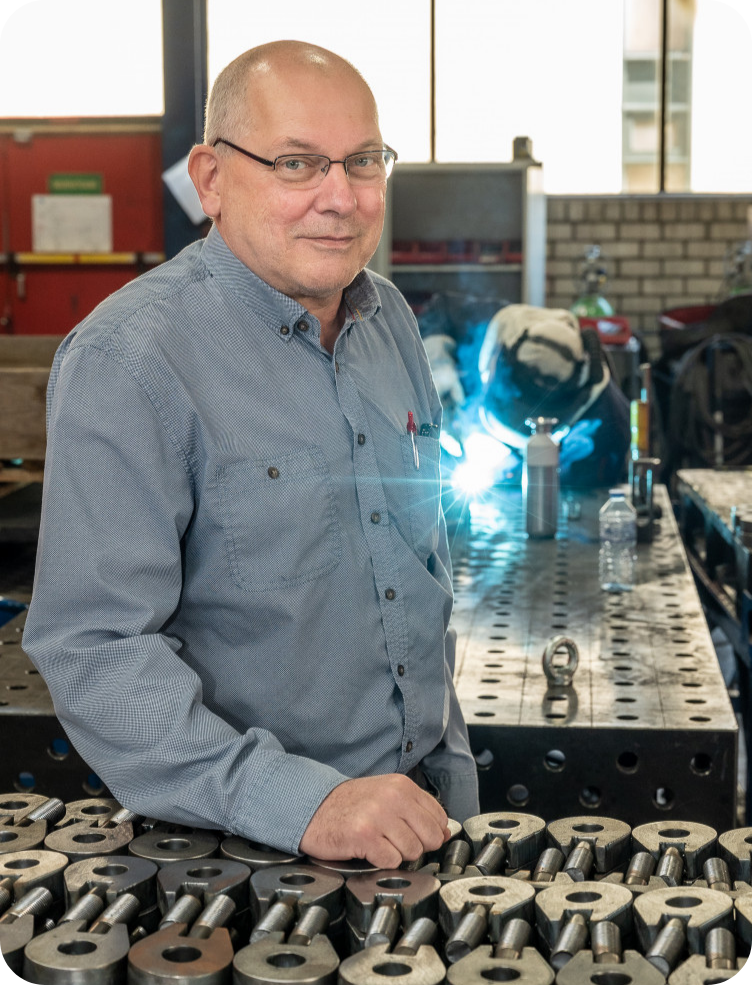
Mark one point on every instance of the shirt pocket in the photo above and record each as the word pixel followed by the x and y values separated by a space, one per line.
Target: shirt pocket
pixel 422 491
pixel 280 519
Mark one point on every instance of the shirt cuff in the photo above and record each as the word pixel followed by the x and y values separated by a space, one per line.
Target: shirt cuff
pixel 281 803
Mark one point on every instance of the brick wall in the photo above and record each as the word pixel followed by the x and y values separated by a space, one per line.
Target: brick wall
pixel 660 252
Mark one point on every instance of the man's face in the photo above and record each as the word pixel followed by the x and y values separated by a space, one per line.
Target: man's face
pixel 306 242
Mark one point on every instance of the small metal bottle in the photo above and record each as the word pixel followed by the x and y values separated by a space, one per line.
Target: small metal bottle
pixel 540 478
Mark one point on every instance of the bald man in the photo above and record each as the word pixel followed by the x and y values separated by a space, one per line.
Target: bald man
pixel 243 584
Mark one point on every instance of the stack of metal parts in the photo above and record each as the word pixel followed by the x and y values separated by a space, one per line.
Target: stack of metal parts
pixel 646 727
pixel 90 893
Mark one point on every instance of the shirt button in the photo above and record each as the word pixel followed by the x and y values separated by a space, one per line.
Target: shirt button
pixel 284 330
pixel 390 594
pixel 303 326
pixel 401 670
pixel 361 439
pixel 409 747
pixel 375 517
pixel 273 472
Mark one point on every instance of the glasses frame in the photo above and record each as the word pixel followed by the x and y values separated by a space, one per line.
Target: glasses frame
pixel 281 157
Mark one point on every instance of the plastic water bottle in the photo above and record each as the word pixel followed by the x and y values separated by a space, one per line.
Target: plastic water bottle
pixel 617 521
pixel 540 479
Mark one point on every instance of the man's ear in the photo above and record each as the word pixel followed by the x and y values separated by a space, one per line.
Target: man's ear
pixel 203 167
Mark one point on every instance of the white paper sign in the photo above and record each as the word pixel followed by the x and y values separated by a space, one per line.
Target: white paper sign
pixel 179 182
pixel 71 223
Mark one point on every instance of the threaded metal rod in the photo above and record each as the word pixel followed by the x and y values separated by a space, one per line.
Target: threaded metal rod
pixel 86 907
pixel 124 909
pixel 456 858
pixel 216 914
pixel 51 810
pixel 277 919
pixel 185 909
pixel 315 920
pixel 37 901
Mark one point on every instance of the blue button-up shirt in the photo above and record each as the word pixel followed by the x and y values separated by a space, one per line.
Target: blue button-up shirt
pixel 243 586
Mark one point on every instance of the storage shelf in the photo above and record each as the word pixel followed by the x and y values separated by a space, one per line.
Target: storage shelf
pixel 456 268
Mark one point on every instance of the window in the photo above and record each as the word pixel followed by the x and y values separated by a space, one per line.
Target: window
pixel 80 58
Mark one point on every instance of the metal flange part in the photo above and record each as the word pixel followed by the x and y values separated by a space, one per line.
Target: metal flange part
pixel 375 964
pixel 344 867
pixel 583 969
pixel 696 842
pixel 169 956
pixel 743 912
pixel 253 855
pixel 415 894
pixel 92 809
pixel 15 806
pixel 735 847
pixel 523 834
pixel 699 910
pixel 68 955
pixel 608 838
pixel 112 875
pixel 694 971
pixel 502 897
pixel 86 840
pixel 304 885
pixel 480 966
pixel 164 847
pixel 22 838
pixel 595 901
pixel 273 961
pixel 204 879
pixel 34 868
pixel 13 940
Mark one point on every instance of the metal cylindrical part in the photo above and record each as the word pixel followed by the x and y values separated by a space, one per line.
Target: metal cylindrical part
pixel 185 909
pixel 456 857
pixel 666 949
pixel 278 917
pixel 86 907
pixel 551 861
pixel 490 859
pixel 514 937
pixel 37 901
pixel 6 896
pixel 605 942
pixel 470 932
pixel 124 909
pixel 580 861
pixel 51 810
pixel 383 926
pixel 670 867
pixel 640 869
pixel 422 932
pixel 216 914
pixel 315 920
pixel 120 817
pixel 717 874
pixel 720 949
pixel 573 938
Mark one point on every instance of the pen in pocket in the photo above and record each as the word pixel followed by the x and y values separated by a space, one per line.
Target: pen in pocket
pixel 412 430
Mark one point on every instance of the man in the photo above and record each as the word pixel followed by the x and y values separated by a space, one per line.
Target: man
pixel 243 586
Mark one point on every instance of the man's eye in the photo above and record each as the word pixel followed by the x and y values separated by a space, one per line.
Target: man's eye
pixel 363 161
pixel 296 164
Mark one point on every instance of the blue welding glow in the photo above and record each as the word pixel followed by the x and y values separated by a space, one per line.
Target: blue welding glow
pixel 450 445
pixel 484 462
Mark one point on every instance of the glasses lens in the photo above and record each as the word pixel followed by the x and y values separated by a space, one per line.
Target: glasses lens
pixel 302 169
pixel 370 166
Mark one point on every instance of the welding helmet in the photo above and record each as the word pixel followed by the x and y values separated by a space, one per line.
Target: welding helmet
pixel 536 362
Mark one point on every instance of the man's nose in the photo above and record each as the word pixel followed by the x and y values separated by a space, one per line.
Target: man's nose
pixel 335 192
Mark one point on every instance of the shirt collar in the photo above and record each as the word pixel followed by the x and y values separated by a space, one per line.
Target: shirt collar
pixel 274 308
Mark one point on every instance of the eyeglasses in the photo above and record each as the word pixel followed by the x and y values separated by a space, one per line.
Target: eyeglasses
pixel 366 167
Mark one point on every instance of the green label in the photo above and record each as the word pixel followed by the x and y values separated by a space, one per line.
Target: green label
pixel 74 184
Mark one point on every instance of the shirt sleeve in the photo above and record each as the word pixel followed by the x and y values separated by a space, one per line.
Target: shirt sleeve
pixel 118 500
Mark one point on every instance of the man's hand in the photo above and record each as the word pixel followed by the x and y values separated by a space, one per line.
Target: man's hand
pixel 384 819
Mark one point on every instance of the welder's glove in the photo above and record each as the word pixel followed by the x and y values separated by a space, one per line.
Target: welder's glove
pixel 441 350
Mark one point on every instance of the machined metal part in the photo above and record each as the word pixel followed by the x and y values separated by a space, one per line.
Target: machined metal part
pixel 35 867
pixel 85 839
pixel 123 910
pixel 717 875
pixel 514 938
pixel 271 961
pixel 571 939
pixel 490 859
pixel 304 885
pixel 20 922
pixel 720 949
pixel 456 857
pixel 22 838
pixel 523 834
pixel 743 912
pixel 694 971
pixel 699 910
pixel 633 968
pixel 667 948
pixel 254 855
pixel 423 932
pixel 559 674
pixel 670 867
pixel 172 956
pixel 6 894
pixel 15 806
pixel 609 839
pixel 383 926
pixel 27 824
pixel 92 809
pixel 641 867
pixel 86 908
pixel 344 867
pixel 481 965
pixel 112 875
pixel 374 965
pixel 580 862
pixel 313 921
pixel 69 955
pixel 277 920
pixel 185 910
pixel 696 842
pixel 415 894
pixel 735 848
pixel 605 942
pixel 548 865
pixel 204 878
pixel 164 847
pixel 595 901
pixel 480 906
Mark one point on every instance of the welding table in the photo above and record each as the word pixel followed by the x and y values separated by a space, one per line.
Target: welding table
pixel 646 731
